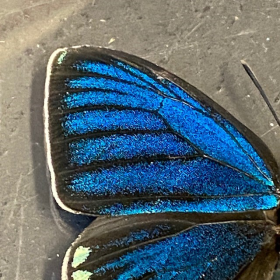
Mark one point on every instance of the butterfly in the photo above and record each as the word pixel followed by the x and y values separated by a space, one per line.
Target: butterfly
pixel 182 189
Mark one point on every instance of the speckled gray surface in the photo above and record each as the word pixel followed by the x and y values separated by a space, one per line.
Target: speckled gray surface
pixel 201 42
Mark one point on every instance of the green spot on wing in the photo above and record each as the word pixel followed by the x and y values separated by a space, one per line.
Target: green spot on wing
pixel 61 57
pixel 80 256
pixel 81 275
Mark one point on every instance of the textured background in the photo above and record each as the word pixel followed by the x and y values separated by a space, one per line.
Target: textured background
pixel 201 42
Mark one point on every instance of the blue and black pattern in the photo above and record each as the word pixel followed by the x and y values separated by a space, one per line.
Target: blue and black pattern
pixel 129 132
pixel 191 254
pixel 125 137
pixel 166 250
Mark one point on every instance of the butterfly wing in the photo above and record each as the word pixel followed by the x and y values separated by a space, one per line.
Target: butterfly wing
pixel 124 136
pixel 162 247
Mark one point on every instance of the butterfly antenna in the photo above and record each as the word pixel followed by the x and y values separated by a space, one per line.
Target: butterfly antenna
pixel 257 84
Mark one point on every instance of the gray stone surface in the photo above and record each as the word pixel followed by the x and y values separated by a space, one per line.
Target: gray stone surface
pixel 201 41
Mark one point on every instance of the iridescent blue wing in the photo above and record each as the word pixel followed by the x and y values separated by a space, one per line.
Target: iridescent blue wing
pixel 124 136
pixel 159 247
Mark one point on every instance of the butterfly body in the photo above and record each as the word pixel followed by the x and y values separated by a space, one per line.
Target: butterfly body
pixel 125 137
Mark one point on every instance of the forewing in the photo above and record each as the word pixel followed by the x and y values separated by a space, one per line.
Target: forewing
pixel 149 247
pixel 124 136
